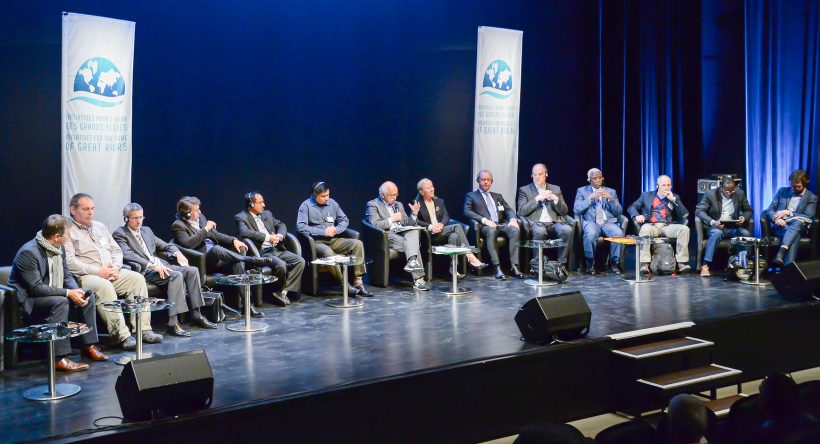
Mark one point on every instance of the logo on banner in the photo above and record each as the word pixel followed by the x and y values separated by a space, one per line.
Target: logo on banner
pixel 498 80
pixel 99 82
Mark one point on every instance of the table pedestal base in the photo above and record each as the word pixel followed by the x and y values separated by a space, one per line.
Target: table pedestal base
pixel 245 326
pixel 760 282
pixel 41 392
pixel 457 291
pixel 344 303
pixel 536 283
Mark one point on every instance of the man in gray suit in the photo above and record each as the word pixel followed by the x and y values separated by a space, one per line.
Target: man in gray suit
pixel 140 246
pixel 388 214
pixel 543 205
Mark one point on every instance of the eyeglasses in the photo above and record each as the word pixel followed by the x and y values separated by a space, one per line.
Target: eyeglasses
pixel 137 218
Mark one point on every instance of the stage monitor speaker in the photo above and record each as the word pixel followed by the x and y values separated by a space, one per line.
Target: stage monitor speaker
pixel 565 315
pixel 798 280
pixel 165 385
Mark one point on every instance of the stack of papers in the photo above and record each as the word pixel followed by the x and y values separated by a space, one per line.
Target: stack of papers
pixel 333 260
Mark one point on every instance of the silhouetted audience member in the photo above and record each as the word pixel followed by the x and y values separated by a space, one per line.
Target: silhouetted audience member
pixel 779 400
pixel 687 420
pixel 543 432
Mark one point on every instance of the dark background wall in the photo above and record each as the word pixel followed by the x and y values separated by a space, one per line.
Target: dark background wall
pixel 230 97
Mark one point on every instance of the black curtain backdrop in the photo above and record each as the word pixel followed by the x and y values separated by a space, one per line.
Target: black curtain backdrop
pixel 271 96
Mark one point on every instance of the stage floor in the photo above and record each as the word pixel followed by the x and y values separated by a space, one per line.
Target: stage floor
pixel 311 346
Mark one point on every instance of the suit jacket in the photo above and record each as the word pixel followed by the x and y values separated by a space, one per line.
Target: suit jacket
pixel 711 205
pixel 377 214
pixel 248 228
pixel 185 235
pixel 424 219
pixel 806 207
pixel 612 207
pixel 29 275
pixel 475 207
pixel 132 250
pixel 529 208
pixel 643 206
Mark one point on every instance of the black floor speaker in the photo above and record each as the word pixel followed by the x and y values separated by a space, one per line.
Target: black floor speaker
pixel 798 280
pixel 564 315
pixel 165 386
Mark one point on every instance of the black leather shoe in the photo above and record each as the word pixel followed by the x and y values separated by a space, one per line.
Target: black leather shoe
pixel 615 269
pixel 591 270
pixel 256 313
pixel 177 330
pixel 204 323
pixel 363 291
pixel 499 274
pixel 476 268
pixel 778 260
pixel 515 272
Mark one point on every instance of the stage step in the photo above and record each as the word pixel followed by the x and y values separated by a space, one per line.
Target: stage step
pixel 669 346
pixel 721 406
pixel 690 376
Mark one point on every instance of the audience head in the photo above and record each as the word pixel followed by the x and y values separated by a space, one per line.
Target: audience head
pixel 728 185
pixel 799 180
pixel 254 202
pixel 54 228
pixel 132 215
pixel 388 192
pixel 778 396
pixel 188 208
pixel 664 183
pixel 81 207
pixel 687 421
pixel 595 177
pixel 543 432
pixel 426 189
pixel 484 179
pixel 539 174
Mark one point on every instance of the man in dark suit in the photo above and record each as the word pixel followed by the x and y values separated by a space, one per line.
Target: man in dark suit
pixel 724 203
pixel 268 233
pixel 791 209
pixel 47 291
pixel 494 215
pixel 140 246
pixel 192 230
pixel 544 207
pixel 660 212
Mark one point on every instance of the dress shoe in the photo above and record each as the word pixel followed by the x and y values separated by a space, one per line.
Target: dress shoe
pixel 615 269
pixel 458 274
pixel 515 272
pixel 684 268
pixel 778 260
pixel 499 274
pixel 129 344
pixel 704 271
pixel 420 284
pixel 479 266
pixel 177 330
pixel 149 337
pixel 256 313
pixel 93 353
pixel 67 365
pixel 203 322
pixel 363 291
pixel 352 291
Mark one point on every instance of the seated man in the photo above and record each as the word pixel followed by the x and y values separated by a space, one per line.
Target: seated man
pixel 598 208
pixel 386 213
pixel 494 214
pixel 93 255
pixel 724 203
pixel 791 209
pixel 140 245
pixel 47 291
pixel 433 215
pixel 543 205
pixel 660 213
pixel 268 233
pixel 192 230
pixel 321 218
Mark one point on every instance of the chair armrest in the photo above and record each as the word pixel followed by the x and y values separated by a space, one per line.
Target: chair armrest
pixel 478 242
pixel 252 250
pixel 350 234
pixel 699 227
pixel 292 244
pixel 133 266
pixel 307 246
pixel 195 259
pixel 464 226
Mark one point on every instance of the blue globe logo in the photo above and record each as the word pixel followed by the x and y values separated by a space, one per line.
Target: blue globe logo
pixel 498 79
pixel 99 82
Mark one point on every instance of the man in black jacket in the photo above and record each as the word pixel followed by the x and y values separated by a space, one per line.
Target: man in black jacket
pixel 721 204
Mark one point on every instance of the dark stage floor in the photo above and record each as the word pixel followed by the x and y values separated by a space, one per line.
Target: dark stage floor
pixel 312 346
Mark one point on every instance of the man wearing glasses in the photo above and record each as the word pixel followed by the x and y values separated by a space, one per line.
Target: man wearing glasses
pixel 726 203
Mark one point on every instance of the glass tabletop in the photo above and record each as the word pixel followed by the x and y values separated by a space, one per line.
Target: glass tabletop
pixel 245 279
pixel 547 243
pixel 451 250
pixel 750 241
pixel 48 332
pixel 341 259
pixel 632 240
pixel 137 304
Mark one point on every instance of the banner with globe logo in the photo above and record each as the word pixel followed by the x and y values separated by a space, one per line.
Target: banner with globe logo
pixel 97 65
pixel 497 100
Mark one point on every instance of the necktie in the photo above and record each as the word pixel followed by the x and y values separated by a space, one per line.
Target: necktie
pixel 151 257
pixel 600 216
pixel 491 207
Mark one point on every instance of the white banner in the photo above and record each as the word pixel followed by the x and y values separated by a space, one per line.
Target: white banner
pixel 98 59
pixel 497 101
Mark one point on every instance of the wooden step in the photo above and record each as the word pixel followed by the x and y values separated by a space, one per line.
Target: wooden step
pixel 721 406
pixel 689 377
pixel 644 351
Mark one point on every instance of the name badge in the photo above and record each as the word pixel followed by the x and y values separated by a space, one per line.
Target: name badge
pixel 501 208
pixel 329 219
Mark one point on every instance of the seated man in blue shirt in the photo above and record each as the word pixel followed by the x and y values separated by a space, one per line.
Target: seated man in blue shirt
pixel 791 208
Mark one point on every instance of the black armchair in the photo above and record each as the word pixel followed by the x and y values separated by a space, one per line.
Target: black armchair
pixel 10 319
pixel 310 277
pixel 807 247
pixel 291 244
pixel 702 233
pixel 426 240
pixel 526 234
pixel 197 259
pixel 601 247
pixel 377 248
pixel 480 243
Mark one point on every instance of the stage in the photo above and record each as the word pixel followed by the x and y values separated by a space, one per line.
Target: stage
pixel 423 365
